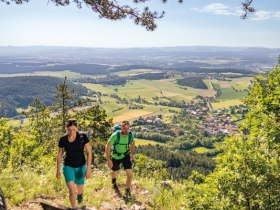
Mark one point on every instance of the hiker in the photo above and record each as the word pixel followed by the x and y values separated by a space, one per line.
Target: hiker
pixel 120 150
pixel 75 166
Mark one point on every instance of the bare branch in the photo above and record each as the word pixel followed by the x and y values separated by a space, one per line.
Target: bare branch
pixel 247 8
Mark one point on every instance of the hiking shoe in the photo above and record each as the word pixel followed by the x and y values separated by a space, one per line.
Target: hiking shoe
pixel 115 187
pixel 127 192
pixel 80 198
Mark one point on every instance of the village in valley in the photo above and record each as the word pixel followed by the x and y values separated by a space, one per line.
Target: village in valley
pixel 211 122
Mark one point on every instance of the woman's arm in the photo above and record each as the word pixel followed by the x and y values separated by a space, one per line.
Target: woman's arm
pixel 58 162
pixel 89 159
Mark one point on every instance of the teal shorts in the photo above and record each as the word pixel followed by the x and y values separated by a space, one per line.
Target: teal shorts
pixel 77 175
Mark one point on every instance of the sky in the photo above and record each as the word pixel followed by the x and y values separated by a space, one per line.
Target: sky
pixel 192 23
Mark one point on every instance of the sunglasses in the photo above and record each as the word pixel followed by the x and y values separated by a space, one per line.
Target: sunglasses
pixel 72 122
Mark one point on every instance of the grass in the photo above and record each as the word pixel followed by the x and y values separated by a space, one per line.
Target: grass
pixel 151 88
pixel 168 88
pixel 130 114
pixel 20 191
pixel 241 83
pixel 142 142
pixel 226 103
pixel 201 150
pixel 136 72
pixel 60 74
pixel 229 93
pixel 226 87
pixel 208 84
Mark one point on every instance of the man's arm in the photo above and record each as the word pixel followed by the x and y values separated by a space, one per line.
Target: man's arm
pixel 132 150
pixel 108 155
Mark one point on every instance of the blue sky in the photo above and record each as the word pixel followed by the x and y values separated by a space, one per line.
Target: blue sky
pixel 193 23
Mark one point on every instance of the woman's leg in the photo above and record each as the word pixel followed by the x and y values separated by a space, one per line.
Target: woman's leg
pixel 69 175
pixel 79 181
pixel 80 189
pixel 72 193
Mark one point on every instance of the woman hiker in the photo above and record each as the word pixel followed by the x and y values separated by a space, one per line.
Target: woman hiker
pixel 75 166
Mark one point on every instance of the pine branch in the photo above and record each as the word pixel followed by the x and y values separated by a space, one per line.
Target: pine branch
pixel 111 9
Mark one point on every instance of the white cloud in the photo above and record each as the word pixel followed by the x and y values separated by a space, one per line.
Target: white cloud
pixel 277 14
pixel 262 15
pixel 266 15
pixel 222 9
pixel 219 9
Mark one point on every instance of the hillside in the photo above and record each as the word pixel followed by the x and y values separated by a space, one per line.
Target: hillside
pixel 94 61
pixel 19 92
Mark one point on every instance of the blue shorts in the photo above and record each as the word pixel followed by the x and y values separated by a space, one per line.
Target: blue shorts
pixel 77 175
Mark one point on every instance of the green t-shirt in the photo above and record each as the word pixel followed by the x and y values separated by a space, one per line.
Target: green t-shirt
pixel 121 147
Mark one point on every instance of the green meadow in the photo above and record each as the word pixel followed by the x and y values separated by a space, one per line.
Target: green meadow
pixel 141 142
pixel 149 89
pixel 226 103
pixel 232 92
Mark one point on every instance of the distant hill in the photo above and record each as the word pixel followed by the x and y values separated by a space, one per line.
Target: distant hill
pixel 18 92
pixel 104 60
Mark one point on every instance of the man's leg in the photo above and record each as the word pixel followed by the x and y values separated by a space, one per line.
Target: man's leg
pixel 128 170
pixel 114 173
pixel 128 178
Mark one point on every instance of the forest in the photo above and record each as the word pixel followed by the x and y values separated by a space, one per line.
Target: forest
pixel 194 82
pixel 18 92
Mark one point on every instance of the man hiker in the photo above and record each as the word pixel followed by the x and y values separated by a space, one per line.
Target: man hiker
pixel 120 150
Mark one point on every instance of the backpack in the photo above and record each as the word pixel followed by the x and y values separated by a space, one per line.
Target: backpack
pixel 117 142
pixel 81 134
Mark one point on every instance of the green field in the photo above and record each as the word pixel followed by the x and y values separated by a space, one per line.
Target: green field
pixel 145 89
pixel 136 72
pixel 208 84
pixel 141 142
pixel 201 150
pixel 149 89
pixel 229 94
pixel 226 103
pixel 59 74
pixel 227 88
pixel 241 83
